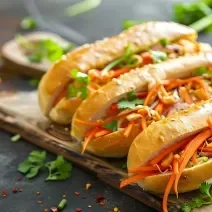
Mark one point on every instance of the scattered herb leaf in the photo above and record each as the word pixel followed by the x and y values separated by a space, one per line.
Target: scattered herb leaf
pixel 202 70
pixel 15 138
pixel 82 7
pixel 131 95
pixel 164 42
pixel 59 169
pixel 124 166
pixel 28 23
pixel 205 198
pixel 124 103
pixel 34 82
pixel 111 125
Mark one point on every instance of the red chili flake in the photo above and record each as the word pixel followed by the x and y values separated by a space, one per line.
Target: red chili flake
pixel 21 190
pixel 54 209
pixel 4 193
pixel 19 178
pixel 89 206
pixel 78 209
pixel 15 190
pixel 64 195
pixel 99 198
pixel 46 210
pixel 77 193
pixel 102 202
pixel 40 202
pixel 37 193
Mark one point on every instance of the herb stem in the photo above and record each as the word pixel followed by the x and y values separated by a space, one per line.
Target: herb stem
pixel 202 23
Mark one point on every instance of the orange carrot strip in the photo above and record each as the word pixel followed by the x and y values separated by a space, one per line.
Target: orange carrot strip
pixel 185 95
pixel 151 93
pixel 119 72
pixel 159 108
pixel 206 149
pixel 135 178
pixel 167 191
pixel 89 138
pixel 128 129
pixel 169 150
pixel 88 123
pixel 209 121
pixel 189 151
pixel 102 133
pixel 176 166
pixel 143 122
pixel 146 168
pixel 194 158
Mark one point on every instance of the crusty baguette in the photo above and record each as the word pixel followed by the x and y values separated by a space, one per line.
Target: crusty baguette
pixel 102 52
pixel 164 133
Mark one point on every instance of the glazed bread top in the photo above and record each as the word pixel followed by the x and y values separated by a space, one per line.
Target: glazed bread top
pixel 100 53
pixel 95 106
pixel 166 132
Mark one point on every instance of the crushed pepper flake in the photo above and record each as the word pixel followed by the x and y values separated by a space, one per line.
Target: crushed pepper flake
pixel 78 209
pixel 88 186
pixel 40 202
pixel 46 210
pixel 37 193
pixel 77 193
pixel 54 209
pixel 15 190
pixel 89 206
pixel 4 193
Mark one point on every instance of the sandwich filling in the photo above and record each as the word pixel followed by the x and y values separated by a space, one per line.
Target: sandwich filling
pixel 142 108
pixel 81 85
pixel 192 151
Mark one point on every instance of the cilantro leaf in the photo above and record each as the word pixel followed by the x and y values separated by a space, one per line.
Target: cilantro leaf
pixel 34 82
pixel 33 172
pixel 123 104
pixel 59 169
pixel 205 198
pixel 37 157
pixel 164 42
pixel 111 125
pixel 25 166
pixel 28 23
pixel 158 56
pixel 80 77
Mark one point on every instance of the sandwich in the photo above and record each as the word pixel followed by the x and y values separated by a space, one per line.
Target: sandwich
pixel 84 70
pixel 108 121
pixel 173 155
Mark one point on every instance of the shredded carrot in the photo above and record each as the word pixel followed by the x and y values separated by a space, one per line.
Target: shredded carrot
pixel 167 191
pixel 135 178
pixel 146 168
pixel 194 158
pixel 209 121
pixel 119 72
pixel 209 149
pixel 143 122
pixel 169 150
pixel 128 129
pixel 88 123
pixel 150 95
pixel 189 151
pixel 185 95
pixel 102 133
pixel 89 138
pixel 159 108
pixel 176 165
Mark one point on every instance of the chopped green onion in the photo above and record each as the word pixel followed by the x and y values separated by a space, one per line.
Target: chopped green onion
pixel 205 159
pixel 62 204
pixel 28 23
pixel 36 58
pixel 34 82
pixel 130 23
pixel 164 42
pixel 15 138
pixel 158 56
pixel 202 71
pixel 82 7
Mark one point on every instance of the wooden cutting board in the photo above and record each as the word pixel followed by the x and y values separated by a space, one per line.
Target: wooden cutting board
pixel 19 113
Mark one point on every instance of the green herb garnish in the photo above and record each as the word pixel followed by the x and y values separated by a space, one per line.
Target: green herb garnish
pixel 202 71
pixel 35 58
pixel 205 198
pixel 28 23
pixel 130 23
pixel 164 42
pixel 58 169
pixel 124 104
pixel 15 138
pixel 81 90
pixel 82 7
pixel 131 95
pixel 197 15
pixel 62 204
pixel 158 56
pixel 34 82
pixel 111 125
pixel 124 166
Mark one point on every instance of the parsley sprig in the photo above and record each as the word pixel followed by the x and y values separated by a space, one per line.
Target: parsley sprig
pixel 205 198
pixel 59 169
pixel 130 102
